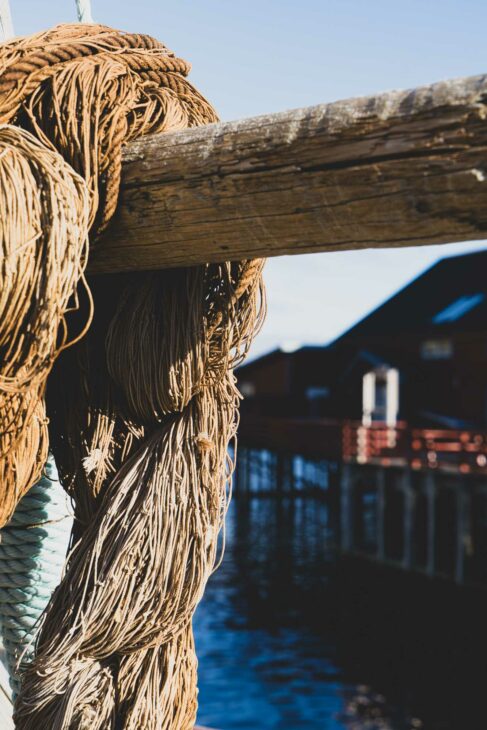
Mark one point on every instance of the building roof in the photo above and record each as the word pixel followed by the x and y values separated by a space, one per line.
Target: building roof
pixel 449 296
pixel 278 354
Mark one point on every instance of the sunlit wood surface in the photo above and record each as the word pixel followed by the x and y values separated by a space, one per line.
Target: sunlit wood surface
pixel 404 168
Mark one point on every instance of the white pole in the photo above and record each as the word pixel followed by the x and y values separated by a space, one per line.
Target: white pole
pixel 392 398
pixel 84 11
pixel 6 25
pixel 368 398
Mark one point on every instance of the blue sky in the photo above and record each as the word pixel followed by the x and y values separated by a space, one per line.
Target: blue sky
pixel 251 57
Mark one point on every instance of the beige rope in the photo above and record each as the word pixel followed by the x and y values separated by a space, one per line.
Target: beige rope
pixel 142 409
pixel 43 250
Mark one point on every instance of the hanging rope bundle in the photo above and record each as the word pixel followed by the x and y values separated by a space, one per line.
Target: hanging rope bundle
pixel 43 249
pixel 142 409
pixel 86 90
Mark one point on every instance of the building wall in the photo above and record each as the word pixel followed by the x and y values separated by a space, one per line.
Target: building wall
pixel 267 377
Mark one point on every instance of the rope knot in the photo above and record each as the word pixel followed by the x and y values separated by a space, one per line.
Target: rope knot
pixel 92 461
pixel 204 443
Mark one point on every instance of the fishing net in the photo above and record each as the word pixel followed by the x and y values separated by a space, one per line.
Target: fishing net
pixel 142 409
pixel 43 250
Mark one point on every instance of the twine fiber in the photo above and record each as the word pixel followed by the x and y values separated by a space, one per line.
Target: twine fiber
pixel 141 409
pixel 43 250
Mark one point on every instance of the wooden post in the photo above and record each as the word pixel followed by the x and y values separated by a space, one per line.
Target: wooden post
pixel 243 471
pixel 430 489
pixel 381 504
pixel 407 488
pixel 462 530
pixel 346 508
pixel 289 473
pixel 284 476
pixel 259 468
pixel 399 169
pixel 333 497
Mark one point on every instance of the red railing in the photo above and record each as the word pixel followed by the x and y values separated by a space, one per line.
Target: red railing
pixel 421 448
pixel 443 449
pixel 464 451
pixel 375 443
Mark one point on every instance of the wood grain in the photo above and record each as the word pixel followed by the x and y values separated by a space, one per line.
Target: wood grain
pixel 398 169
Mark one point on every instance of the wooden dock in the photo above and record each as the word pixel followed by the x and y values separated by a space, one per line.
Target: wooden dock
pixel 414 499
pixel 456 451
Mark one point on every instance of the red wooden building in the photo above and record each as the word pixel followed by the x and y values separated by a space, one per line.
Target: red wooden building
pixel 421 357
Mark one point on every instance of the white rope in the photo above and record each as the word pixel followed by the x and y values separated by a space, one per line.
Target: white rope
pixel 84 11
pixel 6 25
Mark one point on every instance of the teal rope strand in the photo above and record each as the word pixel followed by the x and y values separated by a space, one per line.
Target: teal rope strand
pixel 32 551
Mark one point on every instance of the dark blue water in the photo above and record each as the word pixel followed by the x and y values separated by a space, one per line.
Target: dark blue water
pixel 290 638
pixel 267 659
pixel 260 666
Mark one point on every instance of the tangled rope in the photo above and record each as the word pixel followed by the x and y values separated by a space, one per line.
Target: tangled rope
pixel 32 552
pixel 142 409
pixel 43 246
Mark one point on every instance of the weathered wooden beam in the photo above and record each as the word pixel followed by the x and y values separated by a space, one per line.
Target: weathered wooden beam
pixel 399 169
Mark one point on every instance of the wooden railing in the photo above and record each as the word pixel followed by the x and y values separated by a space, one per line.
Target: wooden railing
pixel 464 451
pixel 404 168
pixel 459 451
pixel 307 437
pixel 421 448
pixel 374 444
